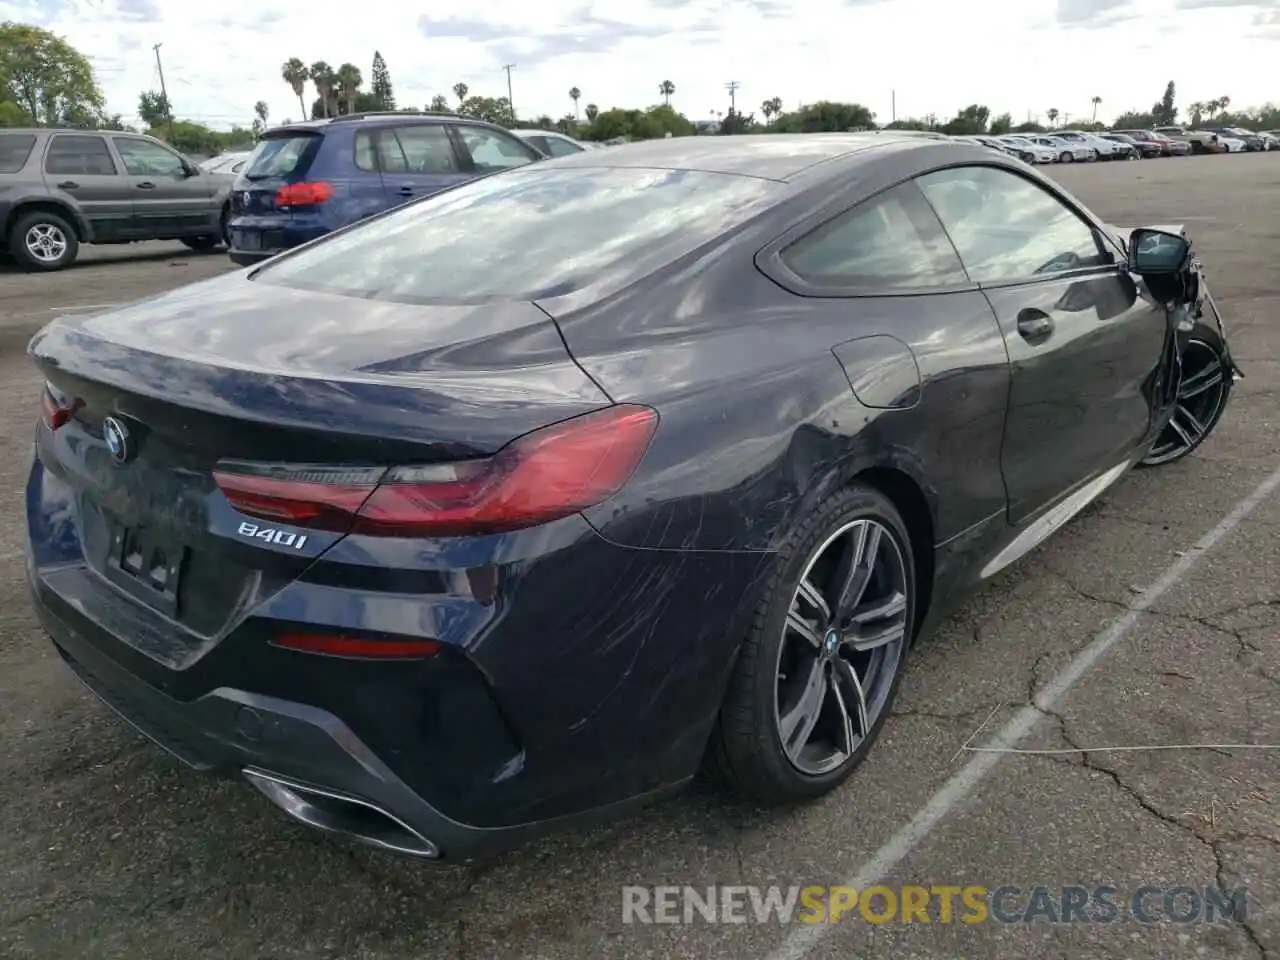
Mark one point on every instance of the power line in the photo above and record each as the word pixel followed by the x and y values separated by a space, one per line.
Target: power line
pixel 511 104
pixel 732 86
pixel 168 107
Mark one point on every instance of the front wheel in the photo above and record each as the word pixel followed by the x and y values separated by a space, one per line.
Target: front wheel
pixel 818 671
pixel 1202 398
pixel 1067 157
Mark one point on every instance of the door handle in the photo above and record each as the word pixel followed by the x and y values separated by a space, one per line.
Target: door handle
pixel 146 185
pixel 406 191
pixel 1034 326
pixel 68 185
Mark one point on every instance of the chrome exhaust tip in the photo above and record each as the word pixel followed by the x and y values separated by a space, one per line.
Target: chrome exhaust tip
pixel 342 815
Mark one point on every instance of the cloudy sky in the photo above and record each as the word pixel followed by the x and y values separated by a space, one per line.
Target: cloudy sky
pixel 1023 56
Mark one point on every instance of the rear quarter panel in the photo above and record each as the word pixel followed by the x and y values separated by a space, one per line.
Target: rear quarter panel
pixel 758 419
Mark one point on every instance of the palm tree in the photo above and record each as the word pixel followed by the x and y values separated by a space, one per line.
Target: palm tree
pixel 322 76
pixel 592 112
pixel 349 80
pixel 296 75
pixel 666 88
pixel 771 108
pixel 260 111
pixel 1096 101
pixel 1223 103
pixel 1197 110
pixel 1053 115
pixel 460 91
pixel 574 94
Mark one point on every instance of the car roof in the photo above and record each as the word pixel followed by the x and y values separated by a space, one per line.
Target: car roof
pixel 771 156
pixel 381 118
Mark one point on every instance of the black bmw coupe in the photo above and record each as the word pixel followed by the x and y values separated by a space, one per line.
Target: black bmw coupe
pixel 522 503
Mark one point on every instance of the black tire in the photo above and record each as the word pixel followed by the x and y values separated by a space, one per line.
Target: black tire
pixel 1203 343
pixel 201 244
pixel 746 752
pixel 1067 157
pixel 65 244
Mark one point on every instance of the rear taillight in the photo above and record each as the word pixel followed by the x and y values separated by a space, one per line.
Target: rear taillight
pixel 56 412
pixel 543 476
pixel 304 194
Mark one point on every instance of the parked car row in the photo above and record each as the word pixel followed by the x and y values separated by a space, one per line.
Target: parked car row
pixel 1075 146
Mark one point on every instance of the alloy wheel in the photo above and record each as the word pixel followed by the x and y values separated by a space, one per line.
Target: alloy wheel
pixel 842 646
pixel 45 242
pixel 1201 397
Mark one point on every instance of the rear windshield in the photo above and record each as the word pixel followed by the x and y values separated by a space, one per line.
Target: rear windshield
pixel 281 156
pixel 14 150
pixel 528 233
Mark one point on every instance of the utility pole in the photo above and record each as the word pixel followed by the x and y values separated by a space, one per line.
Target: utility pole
pixel 168 107
pixel 732 86
pixel 893 106
pixel 510 102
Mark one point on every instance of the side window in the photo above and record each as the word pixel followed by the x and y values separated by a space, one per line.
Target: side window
pixel 366 154
pixel 492 151
pixel 70 154
pixel 558 147
pixel 142 158
pixel 420 148
pixel 1007 228
pixel 891 241
pixel 14 150
pixel 541 143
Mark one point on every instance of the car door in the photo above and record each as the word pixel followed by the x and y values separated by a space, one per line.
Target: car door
pixel 80 167
pixel 488 150
pixel 168 200
pixel 1084 345
pixel 417 160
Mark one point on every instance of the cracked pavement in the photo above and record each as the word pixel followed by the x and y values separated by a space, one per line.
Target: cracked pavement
pixel 110 849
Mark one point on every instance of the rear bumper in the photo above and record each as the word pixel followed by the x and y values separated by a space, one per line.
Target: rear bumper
pixel 290 751
pixel 247 258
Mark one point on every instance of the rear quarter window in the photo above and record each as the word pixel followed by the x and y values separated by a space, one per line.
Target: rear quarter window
pixel 15 148
pixel 527 234
pixel 282 156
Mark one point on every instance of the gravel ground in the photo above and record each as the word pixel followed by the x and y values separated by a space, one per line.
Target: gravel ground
pixel 110 849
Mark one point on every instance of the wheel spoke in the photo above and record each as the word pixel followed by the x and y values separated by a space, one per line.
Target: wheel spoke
pixel 846 735
pixel 845 673
pixel 853 573
pixel 1191 430
pixel 798 722
pixel 813 596
pixel 1203 380
pixel 798 625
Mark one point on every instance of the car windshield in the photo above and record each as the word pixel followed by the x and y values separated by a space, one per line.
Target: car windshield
pixel 528 233
pixel 280 156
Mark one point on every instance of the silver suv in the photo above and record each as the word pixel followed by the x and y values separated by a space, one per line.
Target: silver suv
pixel 62 188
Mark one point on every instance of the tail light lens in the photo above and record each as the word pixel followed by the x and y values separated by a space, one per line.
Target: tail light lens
pixel 543 476
pixel 304 194
pixel 365 648
pixel 55 412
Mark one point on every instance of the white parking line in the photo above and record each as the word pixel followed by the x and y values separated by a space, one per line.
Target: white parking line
pixel 84 306
pixel 957 789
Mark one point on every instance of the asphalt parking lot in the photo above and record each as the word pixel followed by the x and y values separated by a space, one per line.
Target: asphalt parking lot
pixel 108 848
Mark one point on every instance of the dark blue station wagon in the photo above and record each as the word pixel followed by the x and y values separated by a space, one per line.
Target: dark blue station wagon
pixel 307 179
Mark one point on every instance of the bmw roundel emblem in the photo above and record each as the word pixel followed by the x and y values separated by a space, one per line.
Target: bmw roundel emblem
pixel 119 442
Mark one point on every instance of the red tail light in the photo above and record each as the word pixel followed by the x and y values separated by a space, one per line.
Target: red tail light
pixel 304 194
pixel 543 476
pixel 56 413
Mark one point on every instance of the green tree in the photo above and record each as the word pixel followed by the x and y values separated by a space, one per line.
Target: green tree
pixel 326 82
pixel 1029 128
pixel 460 90
pixel 971 120
pixel 1132 120
pixel 295 74
pixel 1052 114
pixel 260 111
pixel 825 116
pixel 47 78
pixel 666 88
pixel 492 109
pixel 592 112
pixel 349 79
pixel 380 83
pixel 439 104
pixel 365 103
pixel 575 94
pixel 154 108
pixel 1001 125
pixel 1165 110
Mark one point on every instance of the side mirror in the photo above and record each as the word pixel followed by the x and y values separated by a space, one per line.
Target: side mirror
pixel 1154 253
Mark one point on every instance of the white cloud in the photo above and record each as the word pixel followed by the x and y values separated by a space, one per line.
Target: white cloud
pixel 1020 56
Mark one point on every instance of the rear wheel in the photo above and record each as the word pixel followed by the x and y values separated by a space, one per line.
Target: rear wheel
pixel 1067 157
pixel 818 672
pixel 201 243
pixel 44 241
pixel 1202 398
